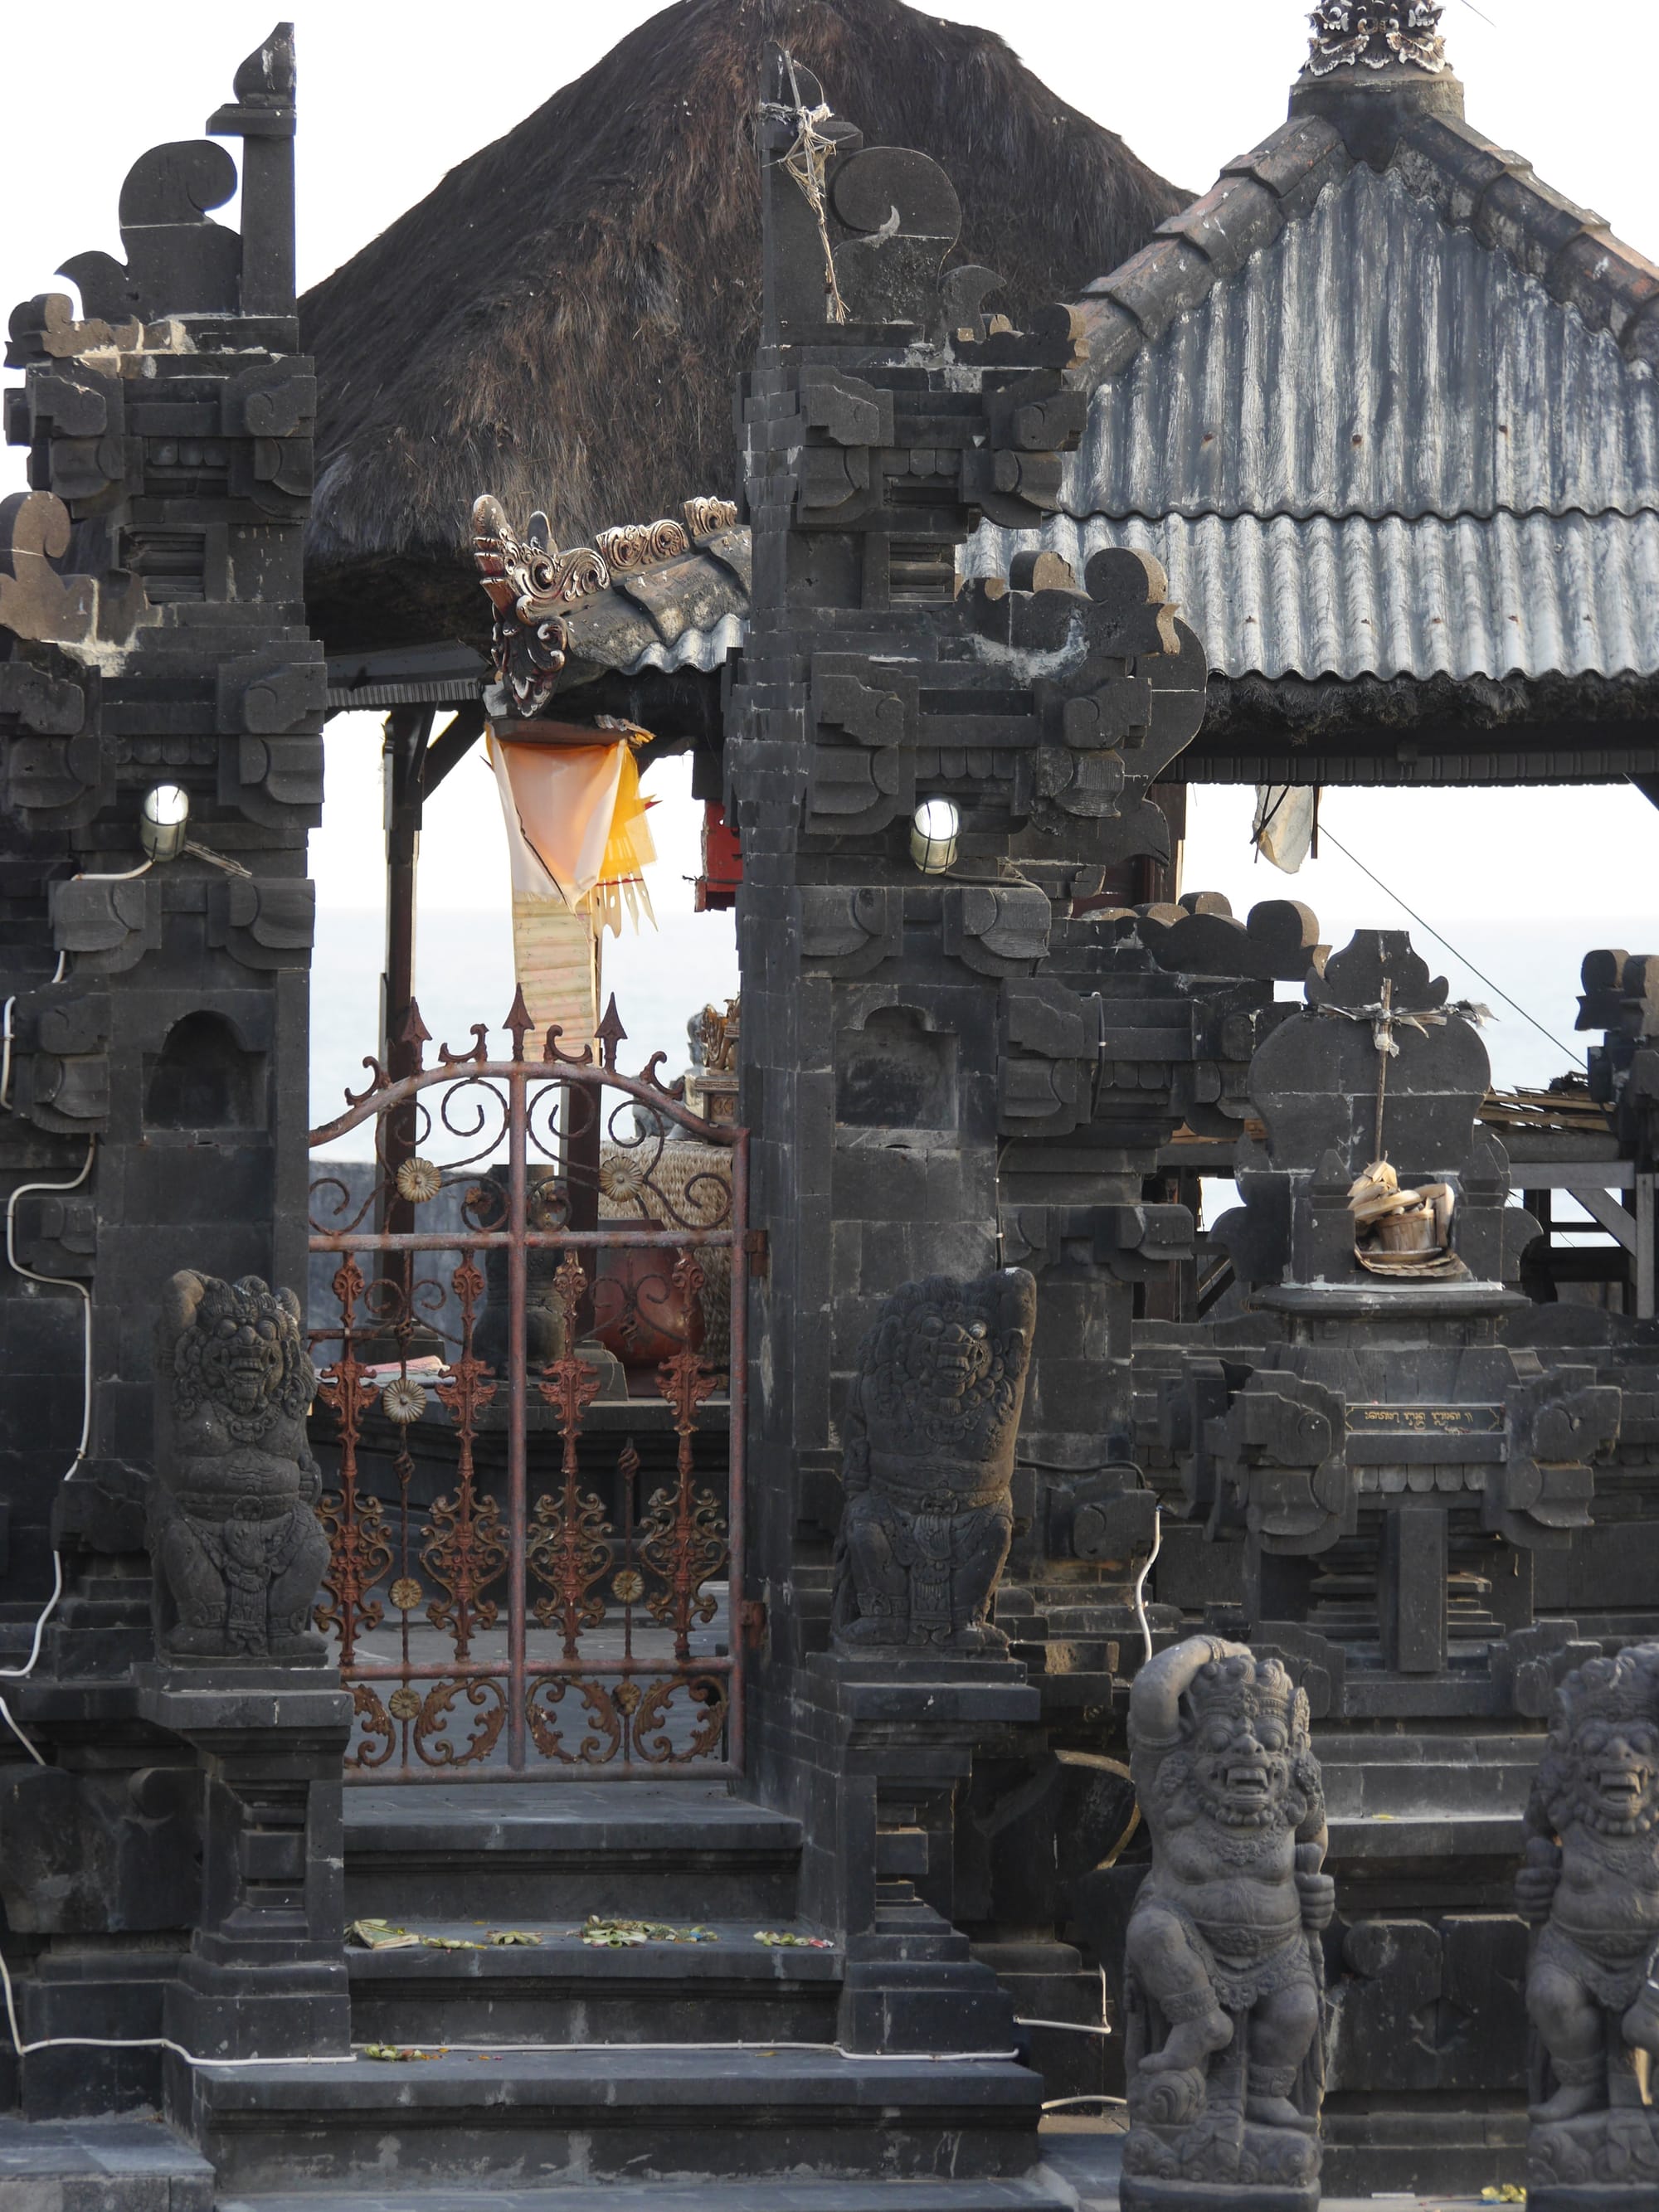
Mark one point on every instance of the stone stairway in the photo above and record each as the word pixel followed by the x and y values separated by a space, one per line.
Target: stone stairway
pixel 692 2072
pixel 1393 1795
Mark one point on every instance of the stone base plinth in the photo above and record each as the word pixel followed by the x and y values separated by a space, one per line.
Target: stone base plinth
pixel 1139 2194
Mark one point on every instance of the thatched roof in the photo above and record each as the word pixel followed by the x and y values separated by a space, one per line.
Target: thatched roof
pixel 563 320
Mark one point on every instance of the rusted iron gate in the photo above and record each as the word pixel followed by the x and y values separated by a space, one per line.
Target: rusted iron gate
pixel 601 1667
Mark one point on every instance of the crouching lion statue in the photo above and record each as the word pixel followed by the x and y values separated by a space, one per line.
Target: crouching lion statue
pixel 237 1549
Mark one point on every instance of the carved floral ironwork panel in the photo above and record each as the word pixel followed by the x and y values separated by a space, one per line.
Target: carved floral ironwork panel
pixel 530 1391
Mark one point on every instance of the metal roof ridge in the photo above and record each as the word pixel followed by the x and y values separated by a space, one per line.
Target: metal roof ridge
pixel 1471 182
pixel 1196 511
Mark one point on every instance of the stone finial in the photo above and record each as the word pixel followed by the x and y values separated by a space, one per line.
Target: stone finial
pixel 1376 34
pixel 234 1536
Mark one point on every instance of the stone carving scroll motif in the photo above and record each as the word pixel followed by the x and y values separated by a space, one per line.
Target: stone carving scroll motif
pixel 1225 1993
pixel 1376 34
pixel 531 584
pixel 1590 1884
pixel 929 1464
pixel 237 1549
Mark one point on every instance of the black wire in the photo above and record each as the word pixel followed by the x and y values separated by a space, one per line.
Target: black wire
pixel 1449 947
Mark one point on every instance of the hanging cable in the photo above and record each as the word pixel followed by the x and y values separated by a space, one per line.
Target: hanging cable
pixel 1140 1580
pixel 5 1033
pixel 1325 831
pixel 60 1282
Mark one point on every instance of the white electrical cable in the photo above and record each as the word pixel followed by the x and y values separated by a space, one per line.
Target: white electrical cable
pixel 112 876
pixel 1140 1580
pixel 463 2050
pixel 5 1033
pixel 60 1282
pixel 1073 2027
pixel 5 1715
pixel 1057 2104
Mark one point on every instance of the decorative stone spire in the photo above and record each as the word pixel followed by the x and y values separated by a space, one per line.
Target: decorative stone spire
pixel 1376 34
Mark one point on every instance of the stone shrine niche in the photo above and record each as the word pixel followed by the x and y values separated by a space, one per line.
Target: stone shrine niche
pixel 895 1071
pixel 203 1079
pixel 1388 1464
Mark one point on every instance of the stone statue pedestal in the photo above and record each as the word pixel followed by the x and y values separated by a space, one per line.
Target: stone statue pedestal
pixel 1186 2122
pixel 1623 2141
pixel 265 1975
pixel 900 1734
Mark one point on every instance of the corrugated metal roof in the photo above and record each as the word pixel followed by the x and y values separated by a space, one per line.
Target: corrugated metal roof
pixel 694 649
pixel 1354 598
pixel 1373 360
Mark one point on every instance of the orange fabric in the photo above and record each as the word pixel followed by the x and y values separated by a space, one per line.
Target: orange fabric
pixel 576 825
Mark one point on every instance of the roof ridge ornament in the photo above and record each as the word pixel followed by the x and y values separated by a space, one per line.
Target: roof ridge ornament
pixel 1376 34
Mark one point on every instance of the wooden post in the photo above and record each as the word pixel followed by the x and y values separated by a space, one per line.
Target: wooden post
pixel 407 730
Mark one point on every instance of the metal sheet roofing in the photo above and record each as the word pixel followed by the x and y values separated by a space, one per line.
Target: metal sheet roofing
pixel 1375 361
pixel 694 649
pixel 1353 597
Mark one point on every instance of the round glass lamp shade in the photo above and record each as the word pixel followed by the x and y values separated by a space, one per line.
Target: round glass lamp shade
pixel 934 830
pixel 163 820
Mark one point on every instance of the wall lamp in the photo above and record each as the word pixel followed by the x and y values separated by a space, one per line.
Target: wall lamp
pixel 934 828
pixel 163 821
pixel 163 818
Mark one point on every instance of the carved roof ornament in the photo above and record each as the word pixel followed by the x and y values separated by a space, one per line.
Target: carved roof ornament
pixel 533 586
pixel 1376 34
pixel 642 544
pixel 705 515
pixel 529 577
pixel 530 583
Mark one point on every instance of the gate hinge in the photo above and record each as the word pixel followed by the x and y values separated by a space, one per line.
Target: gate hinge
pixel 752 1617
pixel 757 1252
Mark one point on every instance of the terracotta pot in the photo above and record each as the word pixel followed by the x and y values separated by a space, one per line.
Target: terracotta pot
pixel 639 1313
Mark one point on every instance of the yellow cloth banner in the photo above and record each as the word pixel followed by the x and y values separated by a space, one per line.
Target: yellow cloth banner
pixel 579 844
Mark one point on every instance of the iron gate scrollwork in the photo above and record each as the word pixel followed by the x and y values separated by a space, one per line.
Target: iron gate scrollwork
pixel 532 1380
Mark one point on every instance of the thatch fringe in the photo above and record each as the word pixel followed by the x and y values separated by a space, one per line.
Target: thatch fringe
pixel 561 321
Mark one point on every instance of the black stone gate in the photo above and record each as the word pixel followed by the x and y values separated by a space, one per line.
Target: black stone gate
pixel 528 1422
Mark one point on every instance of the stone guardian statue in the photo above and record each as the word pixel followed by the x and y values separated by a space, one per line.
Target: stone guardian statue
pixel 236 1546
pixel 1223 1981
pixel 1590 1882
pixel 929 1463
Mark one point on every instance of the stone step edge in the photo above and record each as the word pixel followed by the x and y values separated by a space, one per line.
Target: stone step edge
pixel 1026 2194
pixel 609 2083
pixel 735 1955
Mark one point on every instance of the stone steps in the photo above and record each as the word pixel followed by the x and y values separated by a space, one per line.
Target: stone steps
pixel 562 1991
pixel 1431 1834
pixel 100 2166
pixel 1400 1796
pixel 532 2120
pixel 506 1853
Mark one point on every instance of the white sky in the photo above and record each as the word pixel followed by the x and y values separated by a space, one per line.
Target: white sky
pixel 393 97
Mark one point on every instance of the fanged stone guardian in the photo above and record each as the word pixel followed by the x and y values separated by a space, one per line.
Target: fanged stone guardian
pixel 1225 1983
pixel 929 1465
pixel 238 1550
pixel 1591 1877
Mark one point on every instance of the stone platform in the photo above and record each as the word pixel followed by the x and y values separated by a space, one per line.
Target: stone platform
pixel 100 2166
